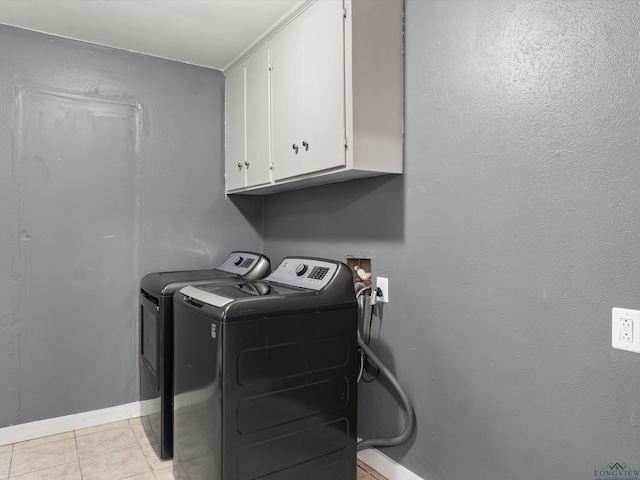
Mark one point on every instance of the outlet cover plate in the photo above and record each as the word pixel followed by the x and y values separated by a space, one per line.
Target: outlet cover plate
pixel 383 284
pixel 625 329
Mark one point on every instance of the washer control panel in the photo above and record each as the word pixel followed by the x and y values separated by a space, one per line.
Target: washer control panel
pixel 239 263
pixel 304 272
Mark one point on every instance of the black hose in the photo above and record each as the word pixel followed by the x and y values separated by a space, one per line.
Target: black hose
pixel 410 415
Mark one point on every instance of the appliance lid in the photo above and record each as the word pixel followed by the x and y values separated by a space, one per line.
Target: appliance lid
pixel 206 297
pixel 166 283
pixel 237 266
pixel 221 295
pixel 299 284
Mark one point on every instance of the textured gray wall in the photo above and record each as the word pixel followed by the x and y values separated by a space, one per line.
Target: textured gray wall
pixel 513 232
pixel 111 166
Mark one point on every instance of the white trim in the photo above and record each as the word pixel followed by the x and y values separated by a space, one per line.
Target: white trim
pixel 286 19
pixel 68 423
pixel 386 466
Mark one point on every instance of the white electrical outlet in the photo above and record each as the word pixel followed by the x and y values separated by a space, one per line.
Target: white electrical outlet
pixel 383 284
pixel 625 333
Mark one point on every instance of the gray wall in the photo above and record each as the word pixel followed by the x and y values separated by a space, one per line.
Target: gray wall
pixel 111 166
pixel 513 232
pixel 509 238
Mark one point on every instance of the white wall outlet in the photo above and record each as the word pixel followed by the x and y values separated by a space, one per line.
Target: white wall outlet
pixel 383 284
pixel 625 329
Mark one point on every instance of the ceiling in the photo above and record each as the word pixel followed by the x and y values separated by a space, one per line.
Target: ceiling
pixel 210 33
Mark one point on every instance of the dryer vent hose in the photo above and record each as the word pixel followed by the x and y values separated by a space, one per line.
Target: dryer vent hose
pixel 410 416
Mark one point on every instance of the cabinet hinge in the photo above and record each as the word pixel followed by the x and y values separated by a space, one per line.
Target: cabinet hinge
pixel 344 12
pixel 346 144
pixel 270 66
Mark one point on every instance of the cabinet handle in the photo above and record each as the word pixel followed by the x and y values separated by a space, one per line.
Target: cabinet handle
pixel 295 147
pixel 247 163
pixel 239 165
pixel 306 146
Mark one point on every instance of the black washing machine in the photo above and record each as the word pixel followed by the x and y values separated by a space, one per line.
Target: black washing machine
pixel 156 337
pixel 265 376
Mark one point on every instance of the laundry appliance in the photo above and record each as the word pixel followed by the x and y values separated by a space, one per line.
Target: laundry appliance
pixel 265 376
pixel 156 337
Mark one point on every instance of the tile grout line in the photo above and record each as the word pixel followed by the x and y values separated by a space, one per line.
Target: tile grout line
pixel 146 458
pixel 10 461
pixel 75 440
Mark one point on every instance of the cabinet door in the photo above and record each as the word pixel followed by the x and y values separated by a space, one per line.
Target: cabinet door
pixel 234 130
pixel 257 118
pixel 308 99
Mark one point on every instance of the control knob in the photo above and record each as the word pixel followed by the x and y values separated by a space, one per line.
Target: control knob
pixel 237 260
pixel 300 269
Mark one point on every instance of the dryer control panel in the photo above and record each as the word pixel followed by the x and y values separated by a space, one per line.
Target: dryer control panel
pixel 307 273
pixel 241 263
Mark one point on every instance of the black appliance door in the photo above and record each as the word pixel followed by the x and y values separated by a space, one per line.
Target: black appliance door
pixel 150 338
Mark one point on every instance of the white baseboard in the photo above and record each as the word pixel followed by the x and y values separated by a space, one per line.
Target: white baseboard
pixel 385 465
pixel 68 423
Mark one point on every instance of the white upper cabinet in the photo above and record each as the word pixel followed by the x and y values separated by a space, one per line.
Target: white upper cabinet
pixel 235 154
pixel 318 100
pixel 247 156
pixel 307 92
pixel 257 118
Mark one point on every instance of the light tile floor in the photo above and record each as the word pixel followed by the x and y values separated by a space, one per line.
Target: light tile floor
pixel 114 451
